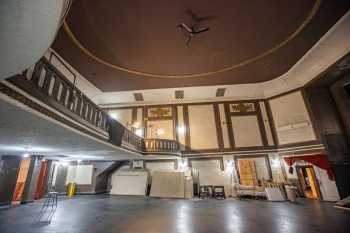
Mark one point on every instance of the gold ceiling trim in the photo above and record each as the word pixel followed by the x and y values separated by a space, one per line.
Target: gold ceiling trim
pixel 306 21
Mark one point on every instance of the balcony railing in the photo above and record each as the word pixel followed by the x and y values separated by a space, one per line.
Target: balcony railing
pixel 134 140
pixel 47 84
pixel 161 145
pixel 50 86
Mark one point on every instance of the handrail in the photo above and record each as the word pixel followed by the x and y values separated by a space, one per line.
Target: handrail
pixel 132 139
pixel 50 86
pixel 161 145
pixel 46 83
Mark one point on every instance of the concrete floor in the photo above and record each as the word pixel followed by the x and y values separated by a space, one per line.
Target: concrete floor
pixel 104 214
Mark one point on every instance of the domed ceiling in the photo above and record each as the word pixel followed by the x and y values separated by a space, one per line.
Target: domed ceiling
pixel 130 45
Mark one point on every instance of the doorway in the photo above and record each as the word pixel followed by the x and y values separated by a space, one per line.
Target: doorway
pixel 308 182
pixel 21 181
pixel 247 172
pixel 40 187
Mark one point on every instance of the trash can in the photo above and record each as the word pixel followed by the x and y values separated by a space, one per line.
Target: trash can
pixel 291 194
pixel 70 189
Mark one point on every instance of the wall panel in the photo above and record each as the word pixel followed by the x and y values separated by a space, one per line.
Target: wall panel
pixel 291 119
pixel 246 131
pixel 203 133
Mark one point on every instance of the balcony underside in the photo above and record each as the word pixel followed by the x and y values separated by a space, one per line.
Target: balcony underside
pixel 29 131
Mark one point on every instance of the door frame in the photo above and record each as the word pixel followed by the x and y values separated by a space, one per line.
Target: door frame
pixel 317 184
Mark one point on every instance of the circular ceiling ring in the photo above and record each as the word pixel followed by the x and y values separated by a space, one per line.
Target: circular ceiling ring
pixel 138 73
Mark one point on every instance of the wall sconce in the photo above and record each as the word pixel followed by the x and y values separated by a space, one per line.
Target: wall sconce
pixel 181 129
pixel 137 125
pixel 139 132
pixel 113 115
pixel 275 162
pixel 229 164
pixel 183 164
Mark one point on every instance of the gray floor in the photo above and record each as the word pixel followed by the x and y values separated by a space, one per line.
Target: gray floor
pixel 104 214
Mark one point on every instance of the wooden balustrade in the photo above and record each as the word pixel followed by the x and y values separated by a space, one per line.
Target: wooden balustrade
pixel 161 145
pixel 50 86
pixel 133 139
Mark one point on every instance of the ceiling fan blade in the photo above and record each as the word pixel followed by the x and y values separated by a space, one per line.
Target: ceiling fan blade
pixel 201 30
pixel 186 27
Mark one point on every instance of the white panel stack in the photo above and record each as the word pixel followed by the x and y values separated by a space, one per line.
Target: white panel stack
pixel 129 183
pixel 168 184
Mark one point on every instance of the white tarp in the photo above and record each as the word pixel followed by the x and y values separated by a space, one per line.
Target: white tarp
pixel 129 183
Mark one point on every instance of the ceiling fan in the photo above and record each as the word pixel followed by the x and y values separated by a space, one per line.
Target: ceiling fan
pixel 194 29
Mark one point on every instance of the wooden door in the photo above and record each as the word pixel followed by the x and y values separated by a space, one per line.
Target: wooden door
pixel 40 187
pixel 21 180
pixel 308 182
pixel 247 172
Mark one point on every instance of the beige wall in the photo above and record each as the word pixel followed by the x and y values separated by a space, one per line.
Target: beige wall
pixel 163 129
pixel 123 116
pixel 289 116
pixel 246 131
pixel 202 125
pixel 165 166
pixel 80 174
pixel 291 119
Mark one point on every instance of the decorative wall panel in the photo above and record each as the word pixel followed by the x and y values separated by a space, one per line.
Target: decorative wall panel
pixel 291 119
pixel 246 131
pixel 163 129
pixel 159 112
pixel 203 134
pixel 242 107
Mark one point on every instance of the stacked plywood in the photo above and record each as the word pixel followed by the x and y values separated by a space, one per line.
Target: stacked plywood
pixel 129 183
pixel 168 184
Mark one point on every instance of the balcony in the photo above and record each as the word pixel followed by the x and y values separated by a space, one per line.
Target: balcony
pixel 156 145
pixel 48 85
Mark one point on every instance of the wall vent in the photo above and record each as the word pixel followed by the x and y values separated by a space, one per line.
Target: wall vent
pixel 138 96
pixel 179 94
pixel 220 92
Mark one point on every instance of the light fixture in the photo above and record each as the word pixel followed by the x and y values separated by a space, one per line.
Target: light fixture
pixel 229 163
pixel 139 132
pixel 113 115
pixel 136 125
pixel 79 160
pixel 26 155
pixel 182 164
pixel 275 162
pixel 181 129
